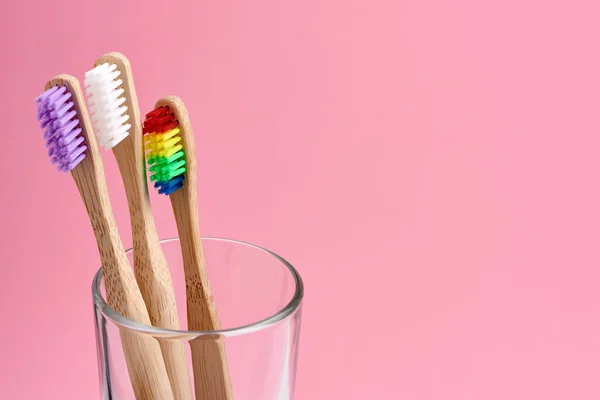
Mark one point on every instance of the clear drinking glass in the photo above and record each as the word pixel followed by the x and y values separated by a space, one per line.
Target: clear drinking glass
pixel 258 296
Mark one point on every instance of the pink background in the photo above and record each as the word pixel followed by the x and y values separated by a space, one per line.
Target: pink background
pixel 430 166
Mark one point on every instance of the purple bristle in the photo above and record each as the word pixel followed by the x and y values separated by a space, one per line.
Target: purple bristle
pixel 55 94
pixel 59 113
pixel 62 130
pixel 40 99
pixel 60 121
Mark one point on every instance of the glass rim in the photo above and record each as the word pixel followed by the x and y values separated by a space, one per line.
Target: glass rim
pixel 280 315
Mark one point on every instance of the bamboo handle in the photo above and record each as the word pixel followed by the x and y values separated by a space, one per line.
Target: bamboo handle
pixel 142 353
pixel 150 266
pixel 211 374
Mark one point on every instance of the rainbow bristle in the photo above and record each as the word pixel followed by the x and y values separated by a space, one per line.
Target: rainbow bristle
pixel 62 130
pixel 165 154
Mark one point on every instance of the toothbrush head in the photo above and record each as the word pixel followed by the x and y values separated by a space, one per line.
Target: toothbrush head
pixel 106 98
pixel 165 153
pixel 63 136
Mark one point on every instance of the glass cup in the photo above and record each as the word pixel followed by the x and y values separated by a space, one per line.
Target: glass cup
pixel 258 297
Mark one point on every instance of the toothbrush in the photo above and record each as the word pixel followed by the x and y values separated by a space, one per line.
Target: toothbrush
pixel 72 146
pixel 169 143
pixel 116 117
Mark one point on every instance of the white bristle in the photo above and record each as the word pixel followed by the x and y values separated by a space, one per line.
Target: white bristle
pixel 106 104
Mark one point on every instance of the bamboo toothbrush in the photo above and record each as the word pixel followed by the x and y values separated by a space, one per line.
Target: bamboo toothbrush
pixel 72 146
pixel 116 117
pixel 169 142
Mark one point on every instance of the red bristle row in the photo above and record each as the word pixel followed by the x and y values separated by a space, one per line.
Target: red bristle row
pixel 159 120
